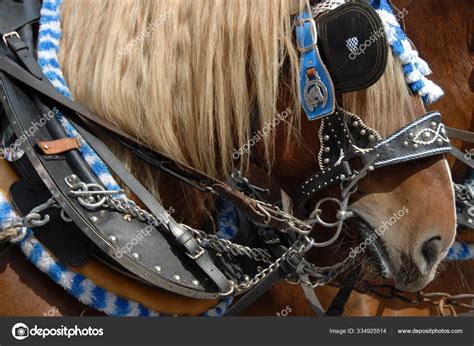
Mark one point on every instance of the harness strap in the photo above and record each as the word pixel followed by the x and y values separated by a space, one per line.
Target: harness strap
pixel 287 267
pixel 317 90
pixel 184 172
pixel 340 301
pixel 16 17
pixel 424 137
pixel 464 136
pixel 182 235
pixel 312 298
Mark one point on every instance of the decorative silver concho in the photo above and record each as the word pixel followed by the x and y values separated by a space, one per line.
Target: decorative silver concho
pixel 315 93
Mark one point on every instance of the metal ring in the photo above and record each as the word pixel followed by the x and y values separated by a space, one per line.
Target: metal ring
pixel 470 211
pixel 64 216
pixel 230 291
pixel 332 239
pixel 317 212
pixel 87 188
pixel 21 235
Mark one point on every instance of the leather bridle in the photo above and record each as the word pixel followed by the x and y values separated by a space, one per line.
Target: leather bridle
pixel 343 137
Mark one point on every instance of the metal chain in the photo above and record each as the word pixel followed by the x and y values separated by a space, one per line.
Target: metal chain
pixel 300 247
pixel 463 194
pixel 223 245
pixel 128 207
pixel 16 230
pixel 324 275
pixel 441 300
pixel 271 211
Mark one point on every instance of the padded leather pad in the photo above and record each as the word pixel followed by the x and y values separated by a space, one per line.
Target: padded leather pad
pixel 353 45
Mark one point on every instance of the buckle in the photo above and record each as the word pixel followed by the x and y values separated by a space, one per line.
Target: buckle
pixel 196 256
pixel 314 32
pixel 10 34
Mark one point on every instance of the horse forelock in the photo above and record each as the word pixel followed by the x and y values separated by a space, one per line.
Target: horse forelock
pixel 184 76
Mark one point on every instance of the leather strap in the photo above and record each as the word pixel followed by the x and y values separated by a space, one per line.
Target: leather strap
pixel 58 146
pixel 319 181
pixel 181 234
pixel 465 136
pixel 344 137
pixel 340 301
pixel 312 299
pixel 317 94
pixel 287 267
pixel 461 135
pixel 23 53
pixel 181 171
pixel 458 154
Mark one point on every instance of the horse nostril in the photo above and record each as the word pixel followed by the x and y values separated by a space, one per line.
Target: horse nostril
pixel 431 250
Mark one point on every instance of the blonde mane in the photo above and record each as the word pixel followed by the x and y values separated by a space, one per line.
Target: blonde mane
pixel 184 77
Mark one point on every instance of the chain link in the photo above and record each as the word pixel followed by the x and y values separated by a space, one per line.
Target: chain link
pixel 223 245
pixel 463 193
pixel 324 275
pixel 441 300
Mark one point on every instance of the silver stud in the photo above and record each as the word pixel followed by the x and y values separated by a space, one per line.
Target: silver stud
pixel 355 124
pixel 371 137
pixel 94 219
pixel 411 135
pixel 326 137
pixel 136 256
pixel 326 161
pixel 113 238
pixel 415 146
pixel 177 277
pixel 405 144
pixel 362 132
pixel 327 149
pixel 443 131
pixel 195 283
pixel 158 268
pixel 433 125
pixel 439 141
pixel 426 135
